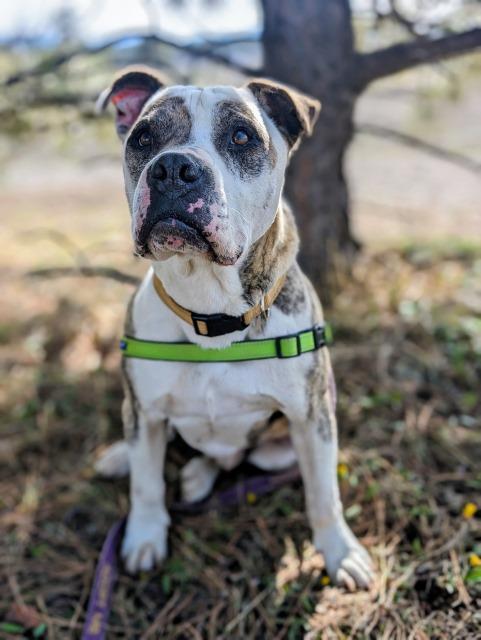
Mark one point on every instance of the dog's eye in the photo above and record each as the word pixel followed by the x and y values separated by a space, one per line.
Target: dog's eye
pixel 144 139
pixel 240 137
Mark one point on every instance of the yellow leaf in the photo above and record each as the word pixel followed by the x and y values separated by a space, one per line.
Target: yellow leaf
pixel 469 510
pixel 474 560
pixel 342 470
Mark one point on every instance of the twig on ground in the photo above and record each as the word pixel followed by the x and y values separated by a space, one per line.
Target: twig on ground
pixel 159 620
pixel 451 543
pixel 460 586
pixel 87 272
pixel 247 609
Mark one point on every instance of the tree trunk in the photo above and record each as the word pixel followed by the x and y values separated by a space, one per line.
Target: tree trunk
pixel 309 44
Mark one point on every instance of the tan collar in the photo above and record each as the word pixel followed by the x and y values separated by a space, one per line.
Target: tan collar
pixel 218 324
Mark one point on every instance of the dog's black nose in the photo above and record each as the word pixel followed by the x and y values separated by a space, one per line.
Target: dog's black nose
pixel 175 170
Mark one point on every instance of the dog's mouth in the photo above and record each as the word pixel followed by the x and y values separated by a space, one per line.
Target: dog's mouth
pixel 173 235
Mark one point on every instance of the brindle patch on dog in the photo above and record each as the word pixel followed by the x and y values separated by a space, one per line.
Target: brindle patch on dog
pixel 292 298
pixel 249 160
pixel 270 257
pixel 318 386
pixel 169 123
pixel 275 429
pixel 129 317
pixel 130 405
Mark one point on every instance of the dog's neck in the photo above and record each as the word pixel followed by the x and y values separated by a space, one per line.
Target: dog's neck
pixel 206 287
pixel 201 286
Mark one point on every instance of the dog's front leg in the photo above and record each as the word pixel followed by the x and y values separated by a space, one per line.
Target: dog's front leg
pixel 145 541
pixel 315 440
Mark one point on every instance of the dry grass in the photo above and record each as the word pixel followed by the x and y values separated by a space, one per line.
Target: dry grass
pixel 408 364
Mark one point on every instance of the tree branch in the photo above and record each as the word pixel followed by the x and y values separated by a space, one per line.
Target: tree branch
pixel 416 143
pixel 416 28
pixel 394 15
pixel 88 272
pixel 385 62
pixel 208 51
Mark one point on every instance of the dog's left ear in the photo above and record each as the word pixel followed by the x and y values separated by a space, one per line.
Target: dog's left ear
pixel 128 93
pixel 293 112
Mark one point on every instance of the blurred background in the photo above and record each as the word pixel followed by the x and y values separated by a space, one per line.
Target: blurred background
pixel 387 195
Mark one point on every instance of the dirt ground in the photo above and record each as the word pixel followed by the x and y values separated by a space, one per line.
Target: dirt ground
pixel 407 358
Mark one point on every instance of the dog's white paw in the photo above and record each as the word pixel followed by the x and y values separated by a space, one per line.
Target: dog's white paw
pixel 145 543
pixel 347 562
pixel 197 479
pixel 114 461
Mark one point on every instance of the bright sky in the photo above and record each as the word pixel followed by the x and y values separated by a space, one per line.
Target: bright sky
pixel 96 19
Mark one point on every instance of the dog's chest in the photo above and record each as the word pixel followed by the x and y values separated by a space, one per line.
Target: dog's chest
pixel 215 407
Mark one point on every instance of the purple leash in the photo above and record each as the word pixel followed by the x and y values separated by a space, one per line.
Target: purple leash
pixel 100 600
pixel 240 492
pixel 105 576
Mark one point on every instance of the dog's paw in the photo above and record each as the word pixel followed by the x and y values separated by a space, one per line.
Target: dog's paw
pixel 145 543
pixel 114 461
pixel 197 479
pixel 347 562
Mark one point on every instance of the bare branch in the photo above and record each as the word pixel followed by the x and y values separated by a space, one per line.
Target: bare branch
pixel 416 143
pixel 398 57
pixel 87 272
pixel 401 20
pixel 207 50
pixel 394 15
pixel 228 41
pixel 419 28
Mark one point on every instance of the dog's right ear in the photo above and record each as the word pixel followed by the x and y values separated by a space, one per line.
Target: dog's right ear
pixel 128 93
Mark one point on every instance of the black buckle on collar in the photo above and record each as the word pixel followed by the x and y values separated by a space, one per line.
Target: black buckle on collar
pixel 216 324
pixel 319 336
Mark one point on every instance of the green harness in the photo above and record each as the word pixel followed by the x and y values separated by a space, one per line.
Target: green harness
pixel 288 346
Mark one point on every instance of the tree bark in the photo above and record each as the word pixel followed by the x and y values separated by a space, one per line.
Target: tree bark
pixel 309 44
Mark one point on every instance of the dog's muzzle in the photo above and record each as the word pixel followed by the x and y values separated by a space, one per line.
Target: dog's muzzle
pixel 175 212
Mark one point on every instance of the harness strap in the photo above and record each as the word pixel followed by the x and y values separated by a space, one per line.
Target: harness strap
pixel 288 346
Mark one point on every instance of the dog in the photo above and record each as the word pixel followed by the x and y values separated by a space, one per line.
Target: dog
pixel 204 173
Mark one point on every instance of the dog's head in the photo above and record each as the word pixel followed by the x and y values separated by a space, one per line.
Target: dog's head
pixel 204 167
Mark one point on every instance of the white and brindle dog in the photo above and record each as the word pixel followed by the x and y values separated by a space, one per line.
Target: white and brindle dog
pixel 204 174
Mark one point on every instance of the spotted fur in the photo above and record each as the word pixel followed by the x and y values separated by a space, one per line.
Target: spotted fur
pixel 247 161
pixel 270 257
pixel 168 121
pixel 316 389
pixel 130 405
pixel 292 297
